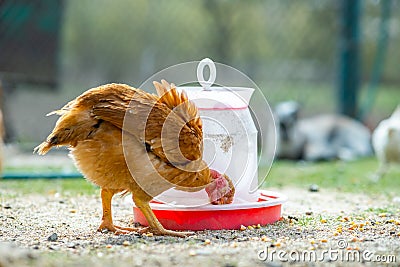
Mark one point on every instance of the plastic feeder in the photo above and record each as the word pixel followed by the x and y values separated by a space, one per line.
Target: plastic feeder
pixel 266 210
pixel 230 147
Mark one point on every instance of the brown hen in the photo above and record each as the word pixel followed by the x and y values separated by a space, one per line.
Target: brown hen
pixel 126 140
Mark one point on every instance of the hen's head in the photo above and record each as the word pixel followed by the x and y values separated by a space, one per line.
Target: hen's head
pixel 221 190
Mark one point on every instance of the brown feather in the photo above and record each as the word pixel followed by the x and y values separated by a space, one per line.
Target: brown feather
pixel 141 115
pixel 126 140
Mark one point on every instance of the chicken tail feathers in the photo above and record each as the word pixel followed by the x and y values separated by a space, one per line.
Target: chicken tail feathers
pixel 43 148
pixel 168 94
pixel 56 112
pixel 176 101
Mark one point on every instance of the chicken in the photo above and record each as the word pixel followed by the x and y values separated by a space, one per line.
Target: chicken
pixel 126 140
pixel 386 142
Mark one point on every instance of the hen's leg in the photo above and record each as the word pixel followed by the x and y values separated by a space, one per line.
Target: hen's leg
pixel 106 220
pixel 155 226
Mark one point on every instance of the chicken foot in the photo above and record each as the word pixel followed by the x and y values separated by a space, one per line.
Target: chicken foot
pixel 155 226
pixel 106 221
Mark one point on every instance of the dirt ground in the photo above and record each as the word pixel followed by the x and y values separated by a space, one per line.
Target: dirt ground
pixel 54 230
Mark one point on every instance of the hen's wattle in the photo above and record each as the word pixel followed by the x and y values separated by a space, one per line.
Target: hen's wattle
pixel 221 190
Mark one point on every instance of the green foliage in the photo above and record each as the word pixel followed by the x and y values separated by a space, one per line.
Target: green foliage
pixel 353 176
pixel 279 40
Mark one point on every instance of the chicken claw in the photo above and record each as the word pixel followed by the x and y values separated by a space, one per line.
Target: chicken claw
pixel 107 221
pixel 155 226
pixel 171 233
pixel 118 230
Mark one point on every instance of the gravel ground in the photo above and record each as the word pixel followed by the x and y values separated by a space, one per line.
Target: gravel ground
pixel 54 230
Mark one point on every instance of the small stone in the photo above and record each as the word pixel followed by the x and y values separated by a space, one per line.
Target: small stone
pixel 72 210
pixel 258 226
pixel 71 245
pixel 149 234
pixel 126 243
pixel 309 213
pixel 109 246
pixel 52 247
pixel 250 227
pixel 53 237
pixel 192 253
pixel 313 188
pixel 242 227
pixel 323 221
pixel 233 245
pixel 207 241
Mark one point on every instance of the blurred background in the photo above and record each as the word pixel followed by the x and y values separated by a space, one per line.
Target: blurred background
pixel 331 56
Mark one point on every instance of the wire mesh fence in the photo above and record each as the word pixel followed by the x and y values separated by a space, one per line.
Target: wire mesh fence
pixel 289 48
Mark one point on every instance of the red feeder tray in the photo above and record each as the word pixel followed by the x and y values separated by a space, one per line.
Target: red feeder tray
pixel 216 217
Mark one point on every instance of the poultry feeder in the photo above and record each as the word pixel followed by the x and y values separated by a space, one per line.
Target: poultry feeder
pixel 230 147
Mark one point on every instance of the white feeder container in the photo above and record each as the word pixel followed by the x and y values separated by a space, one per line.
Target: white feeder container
pixel 230 138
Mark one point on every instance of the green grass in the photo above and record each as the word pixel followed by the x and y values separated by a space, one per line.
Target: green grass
pixel 78 186
pixel 351 176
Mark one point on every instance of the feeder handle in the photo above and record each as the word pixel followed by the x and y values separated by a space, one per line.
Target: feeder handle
pixel 200 75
